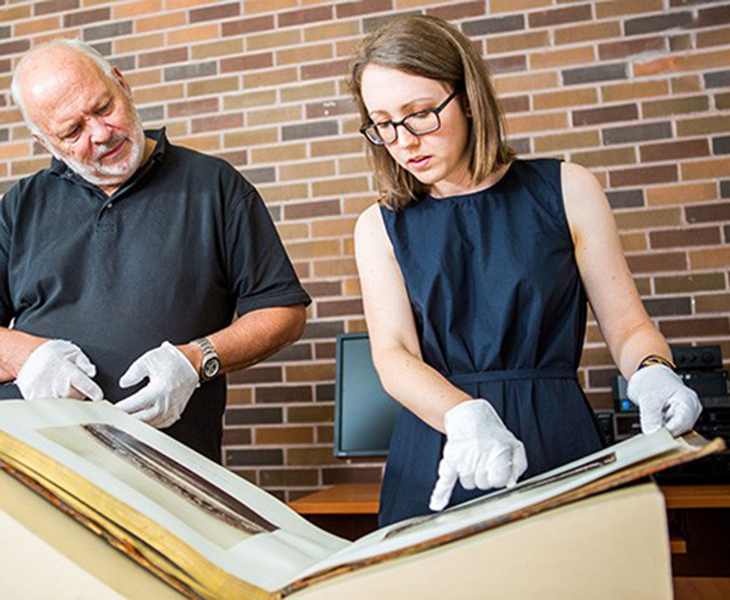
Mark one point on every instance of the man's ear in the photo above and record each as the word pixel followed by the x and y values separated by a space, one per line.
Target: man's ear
pixel 121 81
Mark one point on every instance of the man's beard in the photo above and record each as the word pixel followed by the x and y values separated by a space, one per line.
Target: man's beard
pixel 115 173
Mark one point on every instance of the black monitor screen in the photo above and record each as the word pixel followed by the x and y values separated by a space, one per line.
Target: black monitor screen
pixel 364 413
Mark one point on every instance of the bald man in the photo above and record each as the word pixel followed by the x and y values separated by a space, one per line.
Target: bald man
pixel 123 263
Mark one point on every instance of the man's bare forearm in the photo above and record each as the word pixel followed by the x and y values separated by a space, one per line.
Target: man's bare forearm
pixel 15 348
pixel 252 338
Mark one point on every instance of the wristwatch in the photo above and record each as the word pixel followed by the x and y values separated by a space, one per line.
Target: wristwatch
pixel 211 365
pixel 655 359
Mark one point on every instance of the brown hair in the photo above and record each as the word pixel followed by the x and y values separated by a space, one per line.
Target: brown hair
pixel 432 48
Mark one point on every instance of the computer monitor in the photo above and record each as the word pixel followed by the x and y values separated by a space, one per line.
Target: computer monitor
pixel 364 413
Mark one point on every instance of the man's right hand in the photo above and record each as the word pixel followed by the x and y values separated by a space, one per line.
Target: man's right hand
pixel 480 452
pixel 58 369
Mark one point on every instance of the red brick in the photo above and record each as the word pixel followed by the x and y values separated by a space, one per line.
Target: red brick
pixel 338 308
pixel 308 210
pixel 284 435
pixel 455 12
pixel 674 150
pixel 690 283
pixel 218 122
pixel 54 6
pixel 192 107
pixel 318 289
pixel 85 17
pixel 643 175
pixel 331 108
pixel 334 476
pixel 247 62
pixel 153 59
pixel 237 158
pixel 310 414
pixel 695 236
pixel 236 436
pixel 304 15
pixel 245 26
pixel 694 328
pixel 256 375
pixel 719 211
pixel 657 262
pixel 712 303
pixel 331 68
pixel 288 477
pixel 608 114
pixel 560 16
pixel 717 257
pixel 362 7
pixel 14 47
pixel 623 49
pixel 215 13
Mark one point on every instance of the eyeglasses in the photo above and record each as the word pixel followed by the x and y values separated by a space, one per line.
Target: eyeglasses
pixel 418 123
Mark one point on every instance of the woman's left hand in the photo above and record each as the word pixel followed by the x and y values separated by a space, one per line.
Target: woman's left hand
pixel 663 400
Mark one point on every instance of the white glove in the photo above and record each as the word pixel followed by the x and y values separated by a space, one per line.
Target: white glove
pixel 172 381
pixel 58 369
pixel 480 452
pixel 663 400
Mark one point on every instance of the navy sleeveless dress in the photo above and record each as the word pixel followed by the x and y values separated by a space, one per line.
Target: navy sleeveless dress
pixel 500 311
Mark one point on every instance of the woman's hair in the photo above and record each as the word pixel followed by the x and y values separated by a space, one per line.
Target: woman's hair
pixel 430 47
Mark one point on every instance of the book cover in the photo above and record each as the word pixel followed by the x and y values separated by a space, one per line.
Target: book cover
pixel 211 534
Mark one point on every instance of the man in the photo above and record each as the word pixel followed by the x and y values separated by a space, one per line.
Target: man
pixel 122 264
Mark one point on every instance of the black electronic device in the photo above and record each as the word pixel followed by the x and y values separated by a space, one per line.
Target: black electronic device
pixel 697 358
pixel 700 367
pixel 364 412
pixel 604 418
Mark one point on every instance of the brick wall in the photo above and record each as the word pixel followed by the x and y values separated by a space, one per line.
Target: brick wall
pixel 636 90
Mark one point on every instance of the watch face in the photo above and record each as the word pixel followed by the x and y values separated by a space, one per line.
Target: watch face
pixel 211 368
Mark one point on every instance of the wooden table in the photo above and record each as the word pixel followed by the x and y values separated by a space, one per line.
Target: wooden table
pixel 345 498
pixel 350 509
pixel 363 498
pixel 696 496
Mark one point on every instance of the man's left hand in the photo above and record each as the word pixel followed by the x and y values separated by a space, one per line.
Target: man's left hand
pixel 172 381
pixel 663 400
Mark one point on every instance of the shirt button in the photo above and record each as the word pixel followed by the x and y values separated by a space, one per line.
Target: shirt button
pixel 110 205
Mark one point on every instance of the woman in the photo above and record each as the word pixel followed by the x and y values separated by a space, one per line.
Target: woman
pixel 475 267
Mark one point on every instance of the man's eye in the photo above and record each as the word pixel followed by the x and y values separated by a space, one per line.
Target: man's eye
pixel 72 133
pixel 105 108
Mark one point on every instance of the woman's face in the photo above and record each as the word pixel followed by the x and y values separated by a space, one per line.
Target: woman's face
pixel 439 160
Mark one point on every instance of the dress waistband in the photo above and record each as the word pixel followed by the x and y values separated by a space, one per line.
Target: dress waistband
pixel 557 373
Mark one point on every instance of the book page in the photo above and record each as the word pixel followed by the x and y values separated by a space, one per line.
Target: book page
pixel 494 507
pixel 230 522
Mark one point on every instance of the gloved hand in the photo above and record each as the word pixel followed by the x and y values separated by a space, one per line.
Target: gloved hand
pixel 663 400
pixel 480 452
pixel 172 380
pixel 58 369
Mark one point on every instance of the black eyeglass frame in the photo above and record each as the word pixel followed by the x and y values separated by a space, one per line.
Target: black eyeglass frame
pixel 404 122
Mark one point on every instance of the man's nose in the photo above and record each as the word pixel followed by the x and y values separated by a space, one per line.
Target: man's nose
pixel 99 131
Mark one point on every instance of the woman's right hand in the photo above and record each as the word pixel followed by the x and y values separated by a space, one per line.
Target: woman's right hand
pixel 479 452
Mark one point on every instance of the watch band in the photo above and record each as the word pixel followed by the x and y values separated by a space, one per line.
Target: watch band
pixel 655 359
pixel 211 364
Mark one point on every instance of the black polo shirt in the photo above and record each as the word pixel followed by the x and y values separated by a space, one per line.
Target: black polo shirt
pixel 170 256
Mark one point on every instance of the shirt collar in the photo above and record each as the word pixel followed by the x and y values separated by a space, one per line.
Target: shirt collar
pixel 61 169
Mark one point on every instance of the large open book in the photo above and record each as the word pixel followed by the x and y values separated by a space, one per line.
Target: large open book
pixel 211 534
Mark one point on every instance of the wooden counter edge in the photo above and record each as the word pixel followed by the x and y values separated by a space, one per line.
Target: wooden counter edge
pixel 363 498
pixel 341 499
pixel 696 496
